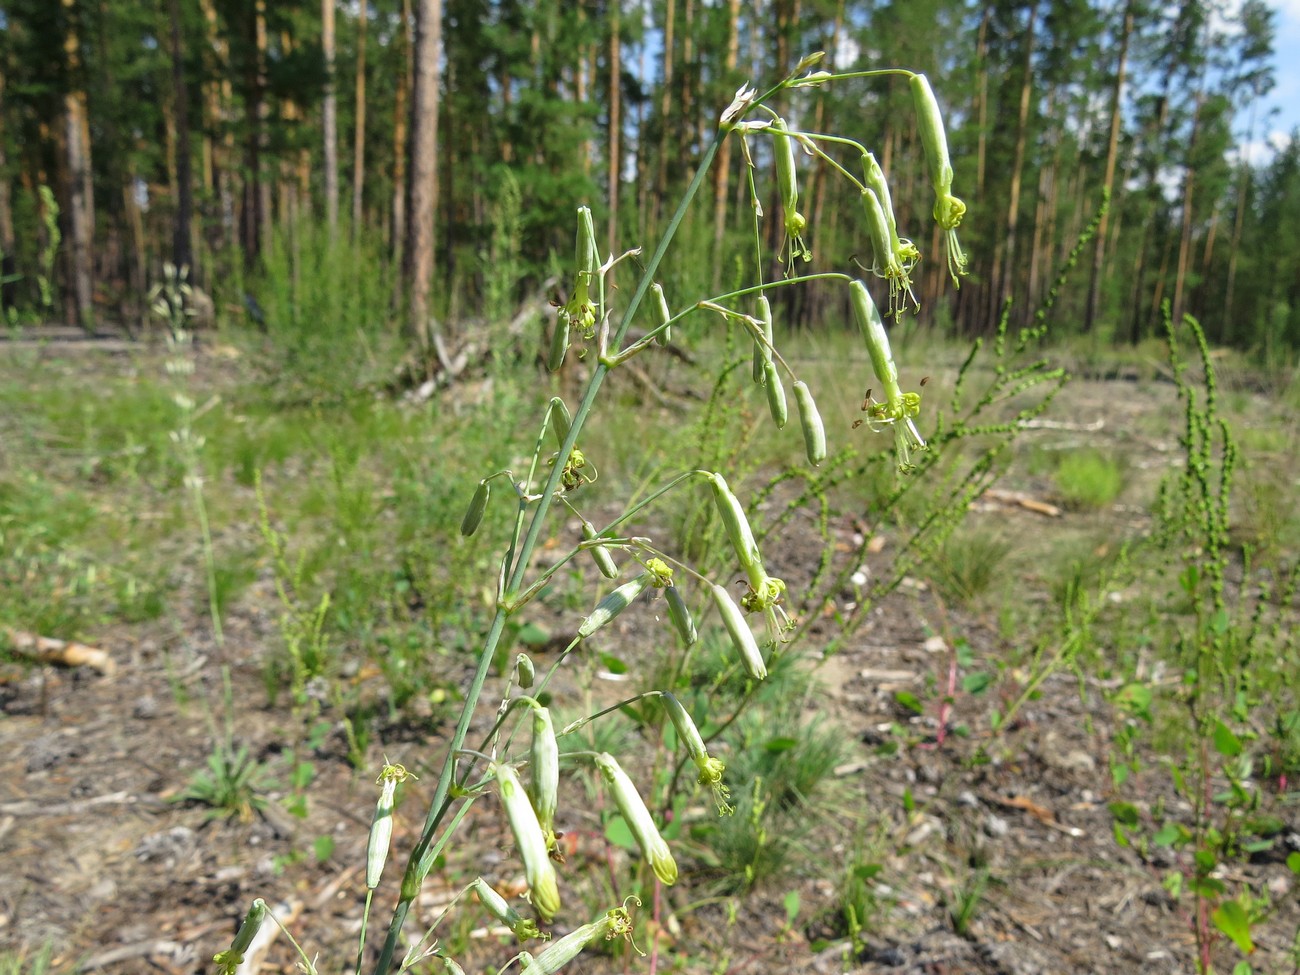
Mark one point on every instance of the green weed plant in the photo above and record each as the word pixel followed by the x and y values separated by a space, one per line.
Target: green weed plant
pixel 519 759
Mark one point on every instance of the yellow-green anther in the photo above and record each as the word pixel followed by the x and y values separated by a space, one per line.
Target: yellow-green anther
pixel 560 421
pixel 814 433
pixel 742 637
pixel 876 338
pixel 680 616
pixel 787 185
pixel 477 505
pixel 775 394
pixel 559 342
pixel 604 561
pixel 544 772
pixel 710 768
pixel 763 344
pixel 639 820
pixel 539 874
pixel 496 905
pixel 230 959
pixel 661 305
pixel 895 266
pixel 948 209
pixel 381 825
pixel 737 526
pixel 613 604
pixel 525 672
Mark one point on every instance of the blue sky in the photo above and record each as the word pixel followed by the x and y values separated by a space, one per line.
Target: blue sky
pixel 1285 96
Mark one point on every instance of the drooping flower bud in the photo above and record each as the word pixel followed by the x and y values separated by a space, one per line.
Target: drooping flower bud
pixel 763 346
pixel 899 408
pixel 600 553
pixel 639 821
pixel 742 637
pixel 787 185
pixel 615 924
pixel 544 772
pixel 381 825
pixel 810 421
pixel 738 530
pixel 539 874
pixel 496 905
pixel 230 959
pixel 710 768
pixel 525 672
pixel 776 404
pixel 948 209
pixel 613 604
pixel 661 305
pixel 680 616
pixel 477 505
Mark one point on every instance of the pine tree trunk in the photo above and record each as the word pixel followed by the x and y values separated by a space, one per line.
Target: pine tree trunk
pixel 8 263
pixel 615 137
pixel 329 121
pixel 400 117
pixel 182 254
pixel 359 138
pixel 665 111
pixel 81 217
pixel 722 166
pixel 1108 182
pixel 423 171
pixel 1007 285
pixel 1185 233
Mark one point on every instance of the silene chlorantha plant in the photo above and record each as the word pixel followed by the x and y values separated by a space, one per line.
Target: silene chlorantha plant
pixel 528 782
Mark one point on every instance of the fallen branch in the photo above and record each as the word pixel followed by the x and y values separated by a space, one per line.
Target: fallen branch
pixel 48 650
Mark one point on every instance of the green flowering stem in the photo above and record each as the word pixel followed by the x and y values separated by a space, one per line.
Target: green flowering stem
pixel 516 563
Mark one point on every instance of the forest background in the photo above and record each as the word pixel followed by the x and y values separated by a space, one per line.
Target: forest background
pixel 241 137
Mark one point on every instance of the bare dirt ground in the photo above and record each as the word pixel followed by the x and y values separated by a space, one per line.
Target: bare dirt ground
pixel 97 861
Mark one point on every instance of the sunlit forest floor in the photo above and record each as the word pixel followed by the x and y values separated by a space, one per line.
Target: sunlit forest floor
pixel 945 831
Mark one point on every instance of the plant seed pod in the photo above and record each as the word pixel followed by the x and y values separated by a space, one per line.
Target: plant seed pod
pixel 543 889
pixel 763 349
pixel 876 338
pixel 230 959
pixel 742 637
pixel 477 505
pixel 560 421
pixel 776 404
pixel 661 305
pixel 613 604
pixel 525 672
pixel 814 434
pixel 737 525
pixel 523 927
pixel 639 820
pixel 680 616
pixel 381 825
pixel 544 772
pixel 604 561
pixel 559 342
